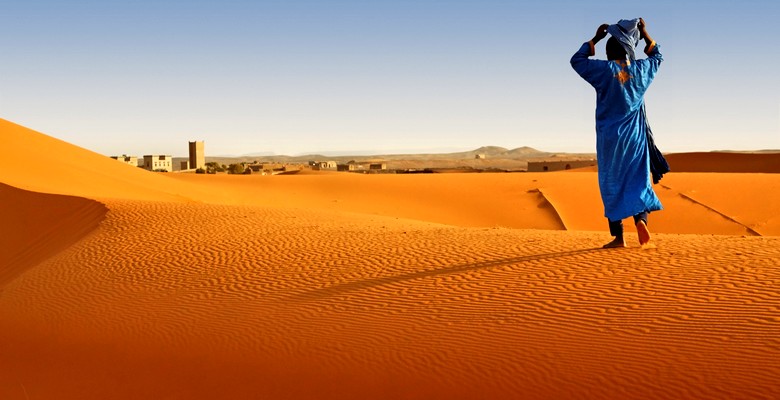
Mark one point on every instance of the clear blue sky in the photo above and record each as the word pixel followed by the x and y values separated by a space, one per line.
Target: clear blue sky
pixel 290 77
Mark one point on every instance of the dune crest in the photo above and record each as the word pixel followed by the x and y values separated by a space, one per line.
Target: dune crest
pixel 33 161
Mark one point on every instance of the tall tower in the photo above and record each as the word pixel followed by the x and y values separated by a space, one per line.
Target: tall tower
pixel 197 155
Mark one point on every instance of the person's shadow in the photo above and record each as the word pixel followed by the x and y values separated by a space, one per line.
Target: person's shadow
pixel 347 287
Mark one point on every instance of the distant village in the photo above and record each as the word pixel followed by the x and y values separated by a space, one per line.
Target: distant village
pixel 164 163
pixel 196 163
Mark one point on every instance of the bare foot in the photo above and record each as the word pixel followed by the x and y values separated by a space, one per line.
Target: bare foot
pixel 617 243
pixel 643 232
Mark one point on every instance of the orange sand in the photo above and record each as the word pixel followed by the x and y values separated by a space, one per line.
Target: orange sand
pixel 119 283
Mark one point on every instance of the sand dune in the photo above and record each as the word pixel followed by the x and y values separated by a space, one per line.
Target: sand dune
pixel 521 200
pixel 33 161
pixel 725 162
pixel 36 226
pixel 339 286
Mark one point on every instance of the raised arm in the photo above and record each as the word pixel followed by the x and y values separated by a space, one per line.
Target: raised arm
pixel 650 65
pixel 649 42
pixel 585 67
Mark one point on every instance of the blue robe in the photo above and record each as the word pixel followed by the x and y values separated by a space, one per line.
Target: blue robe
pixel 621 130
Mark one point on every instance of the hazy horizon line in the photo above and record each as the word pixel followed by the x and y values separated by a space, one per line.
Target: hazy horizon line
pixel 365 153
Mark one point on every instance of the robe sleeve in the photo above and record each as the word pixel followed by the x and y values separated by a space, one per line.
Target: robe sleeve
pixel 649 66
pixel 585 67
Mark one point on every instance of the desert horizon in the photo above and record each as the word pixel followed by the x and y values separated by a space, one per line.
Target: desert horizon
pixel 116 282
pixel 501 159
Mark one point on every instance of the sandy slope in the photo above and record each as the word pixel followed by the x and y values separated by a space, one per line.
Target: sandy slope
pixel 350 286
pixel 33 161
pixel 695 202
pixel 36 226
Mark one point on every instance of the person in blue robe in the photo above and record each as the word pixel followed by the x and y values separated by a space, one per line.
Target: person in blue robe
pixel 622 133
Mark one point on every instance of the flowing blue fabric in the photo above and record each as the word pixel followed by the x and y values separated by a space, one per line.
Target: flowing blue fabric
pixel 626 32
pixel 621 130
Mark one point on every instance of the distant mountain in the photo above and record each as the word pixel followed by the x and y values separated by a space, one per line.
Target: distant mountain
pixel 490 150
pixel 520 152
pixel 494 152
pixel 494 157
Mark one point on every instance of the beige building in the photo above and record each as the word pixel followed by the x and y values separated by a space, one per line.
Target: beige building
pixel 158 163
pixel 362 166
pixel 325 166
pixel 197 155
pixel 558 165
pixel 131 160
pixel 347 167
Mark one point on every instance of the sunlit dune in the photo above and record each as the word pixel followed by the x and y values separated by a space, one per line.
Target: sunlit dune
pixel 119 283
pixel 33 161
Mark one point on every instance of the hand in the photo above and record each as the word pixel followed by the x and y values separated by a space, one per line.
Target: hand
pixel 644 35
pixel 601 33
pixel 642 28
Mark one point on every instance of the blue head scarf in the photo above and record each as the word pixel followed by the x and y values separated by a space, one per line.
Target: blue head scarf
pixel 626 31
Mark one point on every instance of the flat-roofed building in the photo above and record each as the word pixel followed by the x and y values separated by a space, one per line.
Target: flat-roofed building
pixel 156 162
pixel 324 165
pixel 347 167
pixel 131 160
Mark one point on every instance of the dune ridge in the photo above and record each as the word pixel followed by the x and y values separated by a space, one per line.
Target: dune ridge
pixel 550 204
pixel 747 228
pixel 729 162
pixel 349 286
pixel 62 168
pixel 36 226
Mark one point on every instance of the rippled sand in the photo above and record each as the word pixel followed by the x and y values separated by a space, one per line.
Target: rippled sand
pixel 117 283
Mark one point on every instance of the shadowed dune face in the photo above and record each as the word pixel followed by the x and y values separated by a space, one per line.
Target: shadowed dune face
pixel 36 226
